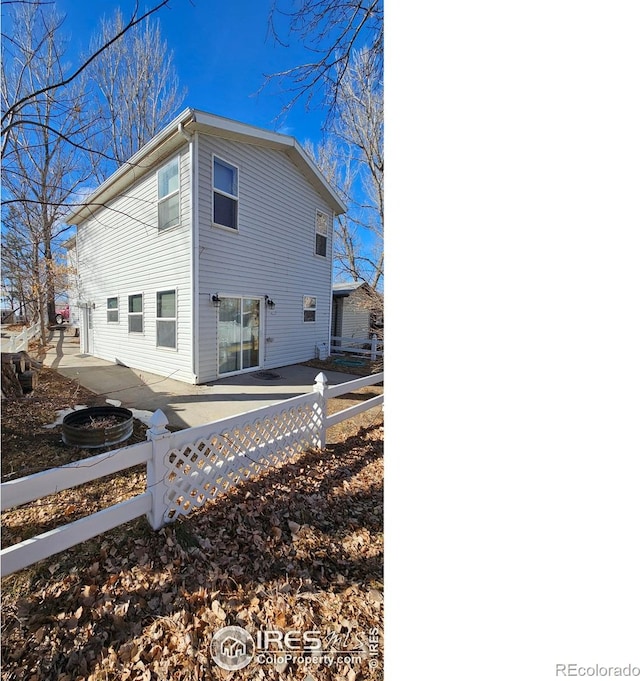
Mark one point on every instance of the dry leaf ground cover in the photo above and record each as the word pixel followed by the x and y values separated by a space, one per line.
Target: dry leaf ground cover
pixel 300 549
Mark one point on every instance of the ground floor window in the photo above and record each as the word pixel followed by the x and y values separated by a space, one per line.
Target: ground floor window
pixel 309 306
pixel 238 334
pixel 135 313
pixel 112 310
pixel 166 319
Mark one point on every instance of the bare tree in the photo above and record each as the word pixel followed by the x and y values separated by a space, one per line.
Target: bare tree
pixel 332 31
pixel 344 74
pixel 138 88
pixel 40 169
pixel 13 105
pixel 45 143
pixel 352 158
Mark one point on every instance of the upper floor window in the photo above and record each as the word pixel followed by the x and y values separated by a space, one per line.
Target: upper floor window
pixel 322 229
pixel 169 195
pixel 225 194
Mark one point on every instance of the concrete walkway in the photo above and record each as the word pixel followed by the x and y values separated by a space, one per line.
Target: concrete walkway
pixel 5 337
pixel 184 404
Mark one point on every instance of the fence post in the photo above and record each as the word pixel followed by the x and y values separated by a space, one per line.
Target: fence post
pixel 374 347
pixel 320 387
pixel 155 467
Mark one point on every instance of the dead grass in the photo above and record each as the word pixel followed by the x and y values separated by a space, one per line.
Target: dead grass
pixel 300 548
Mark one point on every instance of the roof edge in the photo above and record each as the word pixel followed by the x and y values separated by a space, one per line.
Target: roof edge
pixel 196 119
pixel 128 168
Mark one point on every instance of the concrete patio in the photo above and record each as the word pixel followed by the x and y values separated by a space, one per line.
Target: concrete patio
pixel 184 404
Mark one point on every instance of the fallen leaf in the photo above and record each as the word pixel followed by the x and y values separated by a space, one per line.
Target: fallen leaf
pixel 294 527
pixel 217 610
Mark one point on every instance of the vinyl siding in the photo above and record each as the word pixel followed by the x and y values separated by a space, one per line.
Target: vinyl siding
pixel 121 253
pixel 356 318
pixel 273 252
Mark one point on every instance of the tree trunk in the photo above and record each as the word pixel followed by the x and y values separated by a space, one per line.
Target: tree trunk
pixel 11 387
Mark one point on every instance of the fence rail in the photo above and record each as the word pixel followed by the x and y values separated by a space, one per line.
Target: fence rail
pixel 185 469
pixel 21 340
pixel 371 347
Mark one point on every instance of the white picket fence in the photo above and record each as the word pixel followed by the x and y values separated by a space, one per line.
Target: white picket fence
pixel 185 469
pixel 370 347
pixel 21 340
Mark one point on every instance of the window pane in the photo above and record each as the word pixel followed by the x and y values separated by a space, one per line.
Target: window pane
pixel 135 323
pixel 135 303
pixel 169 212
pixel 225 211
pixel 168 179
pixel 321 223
pixel 309 315
pixel 321 244
pixel 230 334
pixel 166 304
pixel 166 334
pixel 224 177
pixel 112 303
pixel 309 301
pixel 112 315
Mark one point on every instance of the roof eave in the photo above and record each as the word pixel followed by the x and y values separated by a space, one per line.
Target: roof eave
pixel 197 120
pixel 243 132
pixel 130 171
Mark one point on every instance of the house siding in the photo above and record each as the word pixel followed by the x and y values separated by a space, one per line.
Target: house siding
pixel 122 253
pixel 272 252
pixel 356 318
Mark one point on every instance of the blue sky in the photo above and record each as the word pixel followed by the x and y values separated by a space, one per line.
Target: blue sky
pixel 222 51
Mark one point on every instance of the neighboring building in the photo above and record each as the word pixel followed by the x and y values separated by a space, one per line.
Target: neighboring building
pixel 6 307
pixel 208 254
pixel 11 310
pixel 356 311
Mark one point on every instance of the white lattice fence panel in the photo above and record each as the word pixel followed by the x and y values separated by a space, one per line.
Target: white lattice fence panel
pixel 198 471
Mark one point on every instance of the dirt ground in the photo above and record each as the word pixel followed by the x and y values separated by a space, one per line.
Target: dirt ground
pixel 298 549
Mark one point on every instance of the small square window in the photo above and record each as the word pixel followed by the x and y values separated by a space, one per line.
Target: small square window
pixel 112 310
pixel 309 306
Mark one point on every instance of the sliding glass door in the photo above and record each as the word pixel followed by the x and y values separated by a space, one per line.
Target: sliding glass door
pixel 238 334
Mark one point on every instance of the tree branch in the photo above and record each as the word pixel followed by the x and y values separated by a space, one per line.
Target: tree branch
pixel 65 81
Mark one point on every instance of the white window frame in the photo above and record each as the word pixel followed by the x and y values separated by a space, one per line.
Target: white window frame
pixel 135 314
pixel 115 309
pixel 318 232
pixel 167 319
pixel 309 308
pixel 169 196
pixel 215 191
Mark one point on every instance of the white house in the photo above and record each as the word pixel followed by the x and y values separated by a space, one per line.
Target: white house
pixel 356 310
pixel 209 253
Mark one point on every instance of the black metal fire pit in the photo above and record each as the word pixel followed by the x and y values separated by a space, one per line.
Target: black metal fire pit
pixel 97 427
